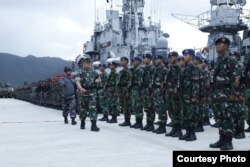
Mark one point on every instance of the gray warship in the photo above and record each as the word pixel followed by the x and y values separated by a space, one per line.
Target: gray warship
pixel 126 34
pixel 226 18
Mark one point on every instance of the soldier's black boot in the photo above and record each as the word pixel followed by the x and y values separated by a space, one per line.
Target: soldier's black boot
pixel 66 120
pixel 139 124
pixel 185 135
pixel 157 123
pixel 82 126
pixel 135 124
pixel 173 131
pixel 151 127
pixel 126 122
pixel 94 127
pixel 146 126
pixel 239 134
pixel 219 143
pixel 206 121
pixel 215 125
pixel 227 144
pixel 178 132
pixel 199 127
pixel 248 129
pixel 73 122
pixel 104 118
pixel 191 136
pixel 112 120
pixel 161 129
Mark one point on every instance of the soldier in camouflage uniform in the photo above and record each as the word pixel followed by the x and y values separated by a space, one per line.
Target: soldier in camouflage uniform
pixel 201 91
pixel 190 95
pixel 158 93
pixel 87 84
pixel 223 80
pixel 206 92
pixel 245 79
pixel 173 91
pixel 103 76
pixel 67 85
pixel 146 92
pixel 123 86
pixel 136 94
pixel 239 100
pixel 111 92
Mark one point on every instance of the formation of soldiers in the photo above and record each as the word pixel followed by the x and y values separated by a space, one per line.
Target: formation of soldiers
pixel 184 90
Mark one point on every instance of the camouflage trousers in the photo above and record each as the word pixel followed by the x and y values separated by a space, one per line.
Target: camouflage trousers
pixel 190 114
pixel 201 111
pixel 88 105
pixel 247 103
pixel 148 104
pixel 103 102
pixel 124 101
pixel 69 106
pixel 240 111
pixel 159 104
pixel 226 114
pixel 175 108
pixel 136 102
pixel 112 101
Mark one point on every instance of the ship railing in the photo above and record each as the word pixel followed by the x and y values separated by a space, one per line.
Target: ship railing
pixel 235 17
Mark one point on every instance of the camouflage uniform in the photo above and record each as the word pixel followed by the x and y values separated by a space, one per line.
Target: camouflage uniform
pixel 223 80
pixel 190 95
pixel 111 94
pixel 239 106
pixel 101 93
pixel 246 75
pixel 173 99
pixel 88 99
pixel 123 91
pixel 158 94
pixel 146 94
pixel 136 96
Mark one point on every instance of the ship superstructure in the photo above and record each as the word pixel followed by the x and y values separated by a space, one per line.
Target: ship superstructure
pixel 125 34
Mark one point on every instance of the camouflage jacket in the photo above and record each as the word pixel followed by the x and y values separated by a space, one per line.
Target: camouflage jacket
pixel 136 79
pixel 224 73
pixel 87 79
pixel 111 81
pixel 125 76
pixel 104 77
pixel 173 78
pixel 159 76
pixel 147 77
pixel 190 83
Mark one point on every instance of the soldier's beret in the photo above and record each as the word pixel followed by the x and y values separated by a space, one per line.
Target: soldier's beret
pixel 173 54
pixel 103 65
pixel 124 58
pixel 136 59
pixel 188 51
pixel 204 61
pixel 147 55
pixel 180 58
pixel 222 40
pixel 112 63
pixel 159 57
pixel 237 54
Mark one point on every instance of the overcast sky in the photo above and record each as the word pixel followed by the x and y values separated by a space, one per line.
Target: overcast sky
pixel 58 28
